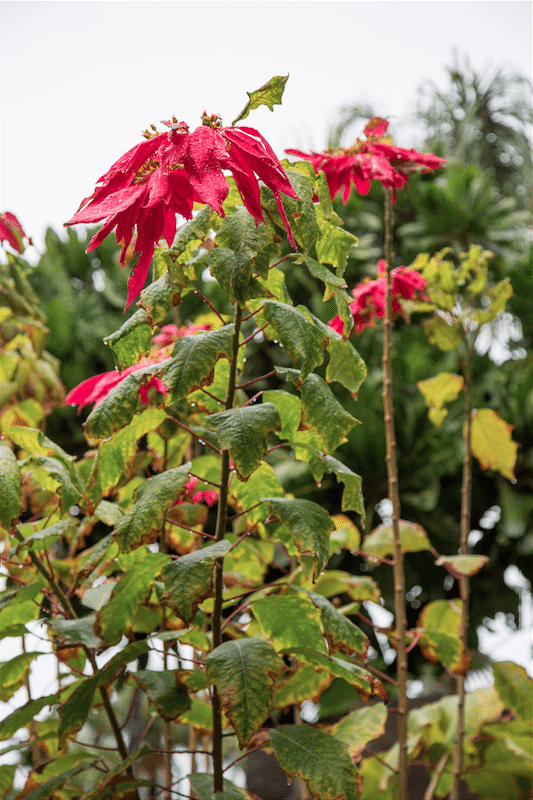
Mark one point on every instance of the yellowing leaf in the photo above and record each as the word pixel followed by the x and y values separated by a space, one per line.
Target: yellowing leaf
pixel 439 391
pixel 462 565
pixel 440 622
pixel 243 671
pixel 322 761
pixel 269 94
pixel 491 442
pixel 380 542
pixel 360 727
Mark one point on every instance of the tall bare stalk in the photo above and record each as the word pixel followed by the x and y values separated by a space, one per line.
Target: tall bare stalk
pixel 220 533
pixel 394 495
pixel 464 583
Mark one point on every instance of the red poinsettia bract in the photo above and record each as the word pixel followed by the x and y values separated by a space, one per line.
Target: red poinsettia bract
pixel 209 497
pixel 373 159
pixel 165 174
pixel 369 296
pixel 93 390
pixel 11 231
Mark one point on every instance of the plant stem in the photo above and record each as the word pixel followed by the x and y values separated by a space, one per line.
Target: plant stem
pixel 220 533
pixel 167 730
pixel 464 584
pixel 392 477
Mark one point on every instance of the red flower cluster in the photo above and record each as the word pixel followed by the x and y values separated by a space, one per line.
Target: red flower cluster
pixel 209 497
pixel 11 231
pixel 164 175
pixel 370 296
pixel 93 390
pixel 373 159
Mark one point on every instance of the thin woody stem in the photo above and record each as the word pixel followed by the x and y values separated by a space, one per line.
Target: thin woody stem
pixel 464 584
pixel 220 533
pixel 392 476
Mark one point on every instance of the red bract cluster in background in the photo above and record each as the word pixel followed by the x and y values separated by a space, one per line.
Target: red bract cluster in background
pixel 11 231
pixel 93 390
pixel 168 172
pixel 208 497
pixel 373 159
pixel 369 296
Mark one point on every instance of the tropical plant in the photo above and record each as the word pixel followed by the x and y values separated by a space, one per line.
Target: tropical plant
pixel 182 570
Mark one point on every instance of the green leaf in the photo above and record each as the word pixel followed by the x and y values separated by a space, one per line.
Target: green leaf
pixel 24 715
pixel 498 296
pixel 238 234
pixel 300 338
pixel 360 727
pixel 244 432
pixel 162 691
pixel 317 758
pixel 245 495
pixel 202 784
pixel 191 234
pixel 339 631
pixel 132 590
pixel 34 441
pixel 352 496
pixel 445 335
pixel 491 442
pixel 132 341
pixel 144 521
pixel 7 774
pixel 345 365
pixel 516 734
pixel 324 414
pixel 243 671
pixel 439 391
pixel 200 716
pixel 440 622
pixel 47 536
pixel 190 579
pixel 290 411
pixel 157 299
pixel 67 490
pixel 358 587
pixel 289 621
pixel 304 220
pixel 308 524
pixel 10 483
pixel 269 95
pixel 193 362
pixel 491 784
pixel 324 197
pixel 48 789
pixel 514 686
pixel 335 243
pixel 108 513
pixel 306 683
pixel 13 674
pixel 235 280
pixel 322 273
pixel 76 631
pixel 380 542
pixel 361 679
pixel 462 565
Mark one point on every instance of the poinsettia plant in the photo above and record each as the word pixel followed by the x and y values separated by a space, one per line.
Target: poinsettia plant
pixel 171 565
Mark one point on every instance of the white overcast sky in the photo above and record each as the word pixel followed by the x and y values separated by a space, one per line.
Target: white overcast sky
pixel 81 80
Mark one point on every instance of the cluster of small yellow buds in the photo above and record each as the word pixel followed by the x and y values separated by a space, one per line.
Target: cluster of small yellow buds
pixel 147 168
pixel 214 121
pixel 149 134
